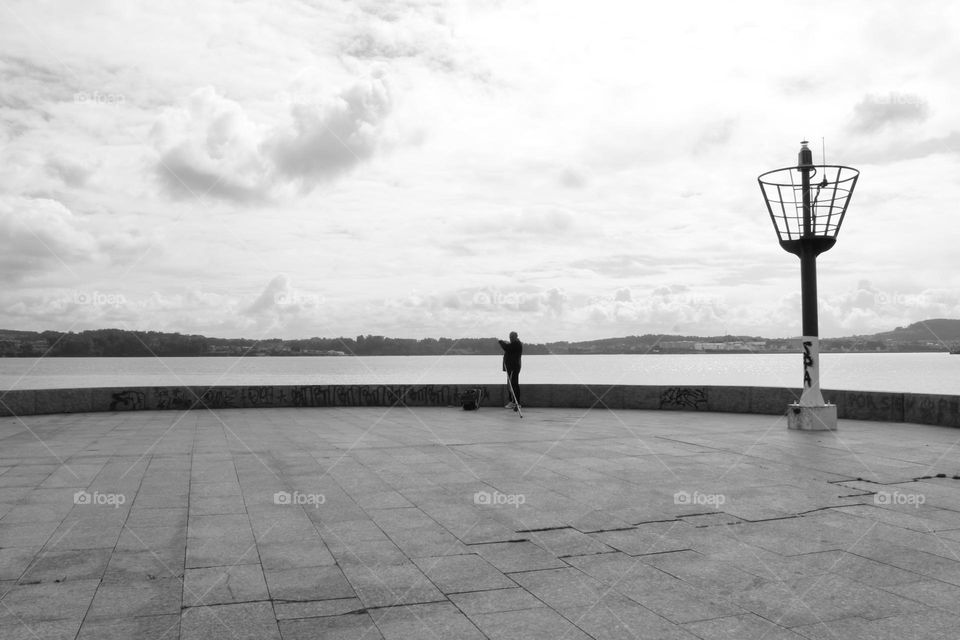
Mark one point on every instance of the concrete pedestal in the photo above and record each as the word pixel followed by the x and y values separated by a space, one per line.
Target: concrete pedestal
pixel 816 418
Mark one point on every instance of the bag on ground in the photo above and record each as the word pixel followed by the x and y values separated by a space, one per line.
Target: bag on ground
pixel 471 398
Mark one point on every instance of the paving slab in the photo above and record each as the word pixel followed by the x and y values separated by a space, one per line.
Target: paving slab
pixel 246 621
pixel 46 602
pixel 456 574
pixel 527 624
pixel 510 557
pixel 352 626
pixel 224 585
pixel 932 593
pixel 806 601
pixel 938 625
pixel 392 585
pixel 362 523
pixel 560 588
pixel 703 572
pixel 742 627
pixel 162 627
pixel 308 583
pixel 434 620
pixel 510 599
pixel 568 542
pixel 317 608
pixel 46 629
pixel 619 618
pixel 136 598
pixel 151 564
pixel 58 566
pixel 15 560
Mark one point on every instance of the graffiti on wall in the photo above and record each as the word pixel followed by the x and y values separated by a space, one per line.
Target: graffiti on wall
pixel 375 395
pixel 929 409
pixel 176 398
pixel 264 396
pixel 128 400
pixel 221 398
pixel 867 404
pixel 683 398
pixel 181 398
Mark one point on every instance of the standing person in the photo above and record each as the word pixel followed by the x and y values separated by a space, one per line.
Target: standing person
pixel 512 351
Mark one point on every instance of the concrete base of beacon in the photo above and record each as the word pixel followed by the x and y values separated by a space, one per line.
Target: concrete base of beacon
pixel 816 418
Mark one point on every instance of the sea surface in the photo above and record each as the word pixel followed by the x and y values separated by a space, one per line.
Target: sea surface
pixel 906 372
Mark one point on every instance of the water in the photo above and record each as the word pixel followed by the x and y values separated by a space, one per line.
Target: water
pixel 907 372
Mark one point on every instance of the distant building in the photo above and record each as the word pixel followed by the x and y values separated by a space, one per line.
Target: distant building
pixel 219 348
pixel 733 345
pixel 678 345
pixel 708 346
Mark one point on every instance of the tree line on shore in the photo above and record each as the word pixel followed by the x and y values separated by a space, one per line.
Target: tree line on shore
pixel 124 343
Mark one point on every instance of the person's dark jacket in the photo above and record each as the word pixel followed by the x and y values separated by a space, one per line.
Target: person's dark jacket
pixel 512 351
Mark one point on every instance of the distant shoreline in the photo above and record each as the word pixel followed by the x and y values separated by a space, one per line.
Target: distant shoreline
pixel 420 355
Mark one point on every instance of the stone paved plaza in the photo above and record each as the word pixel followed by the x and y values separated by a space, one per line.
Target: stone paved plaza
pixel 439 523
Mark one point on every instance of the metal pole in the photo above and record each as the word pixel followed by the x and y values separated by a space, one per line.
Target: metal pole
pixel 811 395
pixel 808 289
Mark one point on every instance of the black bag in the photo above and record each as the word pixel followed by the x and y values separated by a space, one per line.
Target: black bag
pixel 471 398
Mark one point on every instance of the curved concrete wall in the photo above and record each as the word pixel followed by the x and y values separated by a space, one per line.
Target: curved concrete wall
pixel 857 405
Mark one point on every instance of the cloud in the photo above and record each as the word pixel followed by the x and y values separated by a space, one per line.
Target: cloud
pixel 551 313
pixel 72 174
pixel 876 112
pixel 906 149
pixel 267 300
pixel 281 306
pixel 572 178
pixel 867 308
pixel 392 31
pixel 620 265
pixel 538 220
pixel 41 235
pixel 119 305
pixel 380 39
pixel 38 234
pixel 212 147
pixel 715 134
pixel 324 141
pixel 800 85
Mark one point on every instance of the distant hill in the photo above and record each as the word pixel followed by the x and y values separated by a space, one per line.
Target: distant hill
pixel 941 329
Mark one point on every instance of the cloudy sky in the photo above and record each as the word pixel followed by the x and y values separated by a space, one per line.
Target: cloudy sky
pixel 569 170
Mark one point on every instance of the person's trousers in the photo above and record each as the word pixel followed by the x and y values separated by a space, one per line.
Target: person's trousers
pixel 514 377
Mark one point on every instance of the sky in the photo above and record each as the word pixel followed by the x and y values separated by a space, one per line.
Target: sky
pixel 566 170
